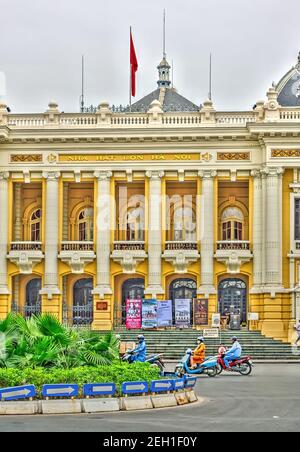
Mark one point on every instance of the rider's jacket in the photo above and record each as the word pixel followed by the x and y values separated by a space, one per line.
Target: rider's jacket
pixel 199 352
pixel 141 352
pixel 235 351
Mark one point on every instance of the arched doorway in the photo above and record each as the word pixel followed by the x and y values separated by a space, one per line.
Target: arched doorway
pixel 233 297
pixel 132 289
pixel 33 303
pixel 183 289
pixel 83 302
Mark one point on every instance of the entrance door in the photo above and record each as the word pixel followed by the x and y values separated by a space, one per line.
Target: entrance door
pixel 83 302
pixel 132 289
pixel 33 305
pixel 233 296
pixel 183 289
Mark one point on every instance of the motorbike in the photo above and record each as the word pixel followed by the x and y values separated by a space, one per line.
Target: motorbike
pixel 243 365
pixel 155 360
pixel 208 367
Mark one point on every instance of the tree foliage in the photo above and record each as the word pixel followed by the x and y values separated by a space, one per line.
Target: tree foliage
pixel 42 341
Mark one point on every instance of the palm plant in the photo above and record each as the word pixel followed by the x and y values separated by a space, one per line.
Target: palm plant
pixel 42 341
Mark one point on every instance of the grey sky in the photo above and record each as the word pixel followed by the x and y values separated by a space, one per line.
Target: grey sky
pixel 253 42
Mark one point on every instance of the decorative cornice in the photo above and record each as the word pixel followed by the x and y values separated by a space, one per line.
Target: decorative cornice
pixel 233 156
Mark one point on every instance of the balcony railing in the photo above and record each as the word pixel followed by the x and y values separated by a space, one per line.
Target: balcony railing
pixel 233 246
pixel 181 246
pixel 77 246
pixel 26 246
pixel 129 246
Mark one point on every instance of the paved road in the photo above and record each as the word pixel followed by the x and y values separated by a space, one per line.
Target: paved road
pixel 267 401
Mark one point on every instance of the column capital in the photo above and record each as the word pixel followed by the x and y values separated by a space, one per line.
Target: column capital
pixel 102 175
pixel 4 175
pixel 207 174
pixel 155 175
pixel 273 172
pixel 51 175
pixel 257 173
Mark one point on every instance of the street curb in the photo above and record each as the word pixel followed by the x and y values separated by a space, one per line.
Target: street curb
pixel 61 406
pixel 164 400
pixel 99 405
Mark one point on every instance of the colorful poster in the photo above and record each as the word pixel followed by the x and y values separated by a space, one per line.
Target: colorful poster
pixel 201 312
pixel 183 313
pixel 149 314
pixel 164 314
pixel 133 314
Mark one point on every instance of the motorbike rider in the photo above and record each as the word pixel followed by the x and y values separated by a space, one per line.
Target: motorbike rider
pixel 234 353
pixel 140 352
pixel 199 353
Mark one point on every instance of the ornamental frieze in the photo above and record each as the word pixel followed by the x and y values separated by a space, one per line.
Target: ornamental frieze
pixel 288 153
pixel 24 158
pixel 233 156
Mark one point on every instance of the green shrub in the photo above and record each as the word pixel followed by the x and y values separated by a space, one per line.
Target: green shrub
pixel 115 373
pixel 42 341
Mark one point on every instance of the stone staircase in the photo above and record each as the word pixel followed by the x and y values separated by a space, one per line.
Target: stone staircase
pixel 173 343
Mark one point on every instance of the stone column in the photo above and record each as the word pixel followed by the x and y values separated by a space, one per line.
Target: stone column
pixel 51 235
pixel 3 232
pixel 18 213
pixel 103 228
pixel 273 229
pixel 207 233
pixel 257 230
pixel 66 237
pixel 155 234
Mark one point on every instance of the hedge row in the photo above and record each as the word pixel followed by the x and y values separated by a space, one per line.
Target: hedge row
pixel 116 373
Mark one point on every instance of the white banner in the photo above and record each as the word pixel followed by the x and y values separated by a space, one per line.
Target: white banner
pixel 183 313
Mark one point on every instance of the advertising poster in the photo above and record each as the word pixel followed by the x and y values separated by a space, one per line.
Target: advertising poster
pixel 149 314
pixel 216 321
pixel 133 314
pixel 164 314
pixel 183 313
pixel 201 312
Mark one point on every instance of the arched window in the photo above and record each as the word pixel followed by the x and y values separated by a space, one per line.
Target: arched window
pixel 233 298
pixel 85 225
pixel 35 226
pixel 184 224
pixel 232 224
pixel 83 302
pixel 132 289
pixel 33 298
pixel 135 223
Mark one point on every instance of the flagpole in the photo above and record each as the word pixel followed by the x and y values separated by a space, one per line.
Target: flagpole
pixel 130 70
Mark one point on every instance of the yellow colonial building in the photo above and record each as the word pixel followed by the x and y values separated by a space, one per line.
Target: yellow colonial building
pixel 166 200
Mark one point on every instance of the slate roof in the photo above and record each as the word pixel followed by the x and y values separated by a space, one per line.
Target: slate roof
pixel 173 102
pixel 289 88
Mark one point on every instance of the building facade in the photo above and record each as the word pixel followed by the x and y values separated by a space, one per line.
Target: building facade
pixel 166 200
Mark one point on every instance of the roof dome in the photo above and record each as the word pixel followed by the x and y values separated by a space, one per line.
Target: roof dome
pixel 168 97
pixel 289 87
pixel 170 100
